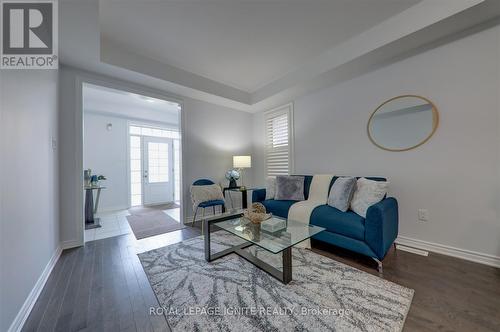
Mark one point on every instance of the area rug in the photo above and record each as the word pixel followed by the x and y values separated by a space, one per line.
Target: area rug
pixel 138 210
pixel 231 294
pixel 152 223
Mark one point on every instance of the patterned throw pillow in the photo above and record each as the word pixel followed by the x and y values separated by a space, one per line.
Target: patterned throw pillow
pixel 341 193
pixel 289 188
pixel 368 192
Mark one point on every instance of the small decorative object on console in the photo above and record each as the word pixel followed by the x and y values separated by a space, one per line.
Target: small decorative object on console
pixel 232 175
pixel 94 180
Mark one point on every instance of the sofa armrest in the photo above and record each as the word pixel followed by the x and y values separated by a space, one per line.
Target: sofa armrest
pixel 381 226
pixel 258 195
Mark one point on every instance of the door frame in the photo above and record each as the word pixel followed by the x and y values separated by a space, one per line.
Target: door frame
pixel 145 166
pixel 153 125
pixel 82 78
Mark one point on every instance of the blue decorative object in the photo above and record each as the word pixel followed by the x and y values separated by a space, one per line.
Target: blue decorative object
pixel 372 236
pixel 232 175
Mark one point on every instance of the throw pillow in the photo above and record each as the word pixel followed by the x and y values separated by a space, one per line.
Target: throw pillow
pixel 200 194
pixel 289 188
pixel 368 192
pixel 341 193
pixel 270 187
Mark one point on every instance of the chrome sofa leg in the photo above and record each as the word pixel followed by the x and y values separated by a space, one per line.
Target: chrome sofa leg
pixel 379 265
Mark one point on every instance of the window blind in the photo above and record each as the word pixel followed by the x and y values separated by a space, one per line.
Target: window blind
pixel 278 142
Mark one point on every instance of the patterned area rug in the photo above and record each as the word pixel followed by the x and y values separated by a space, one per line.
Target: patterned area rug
pixel 231 294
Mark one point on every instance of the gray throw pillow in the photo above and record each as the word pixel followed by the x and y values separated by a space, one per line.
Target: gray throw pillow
pixel 289 188
pixel 341 193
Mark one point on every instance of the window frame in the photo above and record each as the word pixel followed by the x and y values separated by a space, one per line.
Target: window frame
pixel 288 110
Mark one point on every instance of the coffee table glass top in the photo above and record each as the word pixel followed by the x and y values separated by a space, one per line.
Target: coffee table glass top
pixel 276 242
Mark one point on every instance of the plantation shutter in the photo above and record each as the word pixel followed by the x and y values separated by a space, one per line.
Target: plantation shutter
pixel 278 145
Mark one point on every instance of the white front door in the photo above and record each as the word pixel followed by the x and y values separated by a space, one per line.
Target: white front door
pixel 158 181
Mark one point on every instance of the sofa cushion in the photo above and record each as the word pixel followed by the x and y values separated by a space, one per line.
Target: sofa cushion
pixel 341 193
pixel 278 208
pixel 345 223
pixel 270 187
pixel 289 187
pixel 368 192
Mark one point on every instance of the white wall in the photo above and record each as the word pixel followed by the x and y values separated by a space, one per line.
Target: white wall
pixel 455 175
pixel 212 135
pixel 29 228
pixel 105 152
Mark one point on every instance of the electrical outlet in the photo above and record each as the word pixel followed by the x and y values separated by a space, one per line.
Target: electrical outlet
pixel 423 215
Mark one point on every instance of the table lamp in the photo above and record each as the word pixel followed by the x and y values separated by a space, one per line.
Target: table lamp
pixel 241 162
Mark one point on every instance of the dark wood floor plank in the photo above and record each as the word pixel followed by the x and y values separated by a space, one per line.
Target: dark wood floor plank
pixel 95 306
pixel 79 317
pixel 124 305
pixel 63 322
pixel 139 308
pixel 113 293
pixel 51 314
pixel 158 322
pixel 109 296
pixel 41 304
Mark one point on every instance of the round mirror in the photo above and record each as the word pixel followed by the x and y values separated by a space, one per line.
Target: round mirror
pixel 403 123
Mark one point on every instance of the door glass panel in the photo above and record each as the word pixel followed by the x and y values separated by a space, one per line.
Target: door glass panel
pixel 135 130
pixel 177 170
pixel 157 162
pixel 135 170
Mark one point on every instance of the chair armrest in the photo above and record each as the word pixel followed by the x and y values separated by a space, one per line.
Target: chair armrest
pixel 381 226
pixel 258 195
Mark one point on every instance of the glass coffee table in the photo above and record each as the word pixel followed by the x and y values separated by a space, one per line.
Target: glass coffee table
pixel 277 242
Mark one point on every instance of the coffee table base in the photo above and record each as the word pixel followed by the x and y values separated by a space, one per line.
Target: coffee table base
pixel 284 276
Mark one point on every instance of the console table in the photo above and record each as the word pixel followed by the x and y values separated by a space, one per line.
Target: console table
pixel 90 207
pixel 244 194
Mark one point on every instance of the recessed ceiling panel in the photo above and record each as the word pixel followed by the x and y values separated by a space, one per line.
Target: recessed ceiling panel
pixel 242 43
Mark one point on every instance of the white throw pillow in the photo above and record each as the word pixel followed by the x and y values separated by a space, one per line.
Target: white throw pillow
pixel 368 192
pixel 200 194
pixel 270 187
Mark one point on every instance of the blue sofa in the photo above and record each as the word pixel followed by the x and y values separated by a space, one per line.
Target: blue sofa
pixel 372 236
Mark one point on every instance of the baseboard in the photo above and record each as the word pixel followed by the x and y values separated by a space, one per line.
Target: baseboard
pixel 468 255
pixel 30 301
pixel 412 250
pixel 70 244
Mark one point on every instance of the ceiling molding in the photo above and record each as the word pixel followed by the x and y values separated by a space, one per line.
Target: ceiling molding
pixel 413 19
pixel 422 26
pixel 116 55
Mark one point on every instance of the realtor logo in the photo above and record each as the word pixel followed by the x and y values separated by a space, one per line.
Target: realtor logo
pixel 29 34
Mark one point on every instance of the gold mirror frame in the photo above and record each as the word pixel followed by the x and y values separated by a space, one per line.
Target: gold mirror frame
pixel 435 124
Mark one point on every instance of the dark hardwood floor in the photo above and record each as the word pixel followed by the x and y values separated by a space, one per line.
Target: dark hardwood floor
pixel 102 287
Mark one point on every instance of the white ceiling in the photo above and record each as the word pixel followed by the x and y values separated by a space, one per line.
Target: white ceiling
pixel 254 55
pixel 129 105
pixel 245 44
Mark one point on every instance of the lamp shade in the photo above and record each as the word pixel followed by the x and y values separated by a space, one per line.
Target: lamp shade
pixel 242 161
